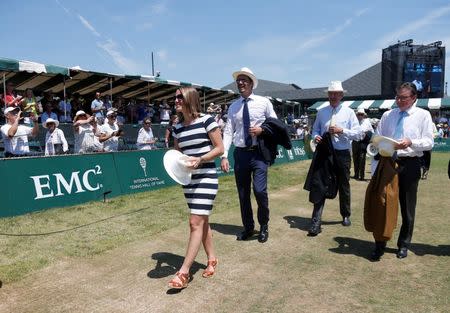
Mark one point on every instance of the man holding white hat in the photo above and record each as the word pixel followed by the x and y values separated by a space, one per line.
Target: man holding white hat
pixel 412 128
pixel 359 147
pixel 341 123
pixel 15 136
pixel 110 132
pixel 245 117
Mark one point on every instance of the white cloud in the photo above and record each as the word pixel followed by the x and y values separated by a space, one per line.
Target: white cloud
pixel 125 64
pixel 409 29
pixel 88 26
pixel 63 7
pixel 129 45
pixel 158 8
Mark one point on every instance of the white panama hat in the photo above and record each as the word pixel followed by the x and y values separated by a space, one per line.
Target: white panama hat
pixel 10 109
pixel 385 145
pixel 247 72
pixel 361 111
pixel 175 165
pixel 334 86
pixel 50 120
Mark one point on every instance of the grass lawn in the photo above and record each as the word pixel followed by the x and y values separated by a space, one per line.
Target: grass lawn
pixel 291 272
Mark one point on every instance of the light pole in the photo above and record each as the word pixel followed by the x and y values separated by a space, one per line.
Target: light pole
pixel 153 66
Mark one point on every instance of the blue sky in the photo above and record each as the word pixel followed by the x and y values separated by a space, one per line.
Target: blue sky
pixel 307 43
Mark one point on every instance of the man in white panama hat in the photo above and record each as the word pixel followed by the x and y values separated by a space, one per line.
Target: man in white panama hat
pixel 245 117
pixel 342 125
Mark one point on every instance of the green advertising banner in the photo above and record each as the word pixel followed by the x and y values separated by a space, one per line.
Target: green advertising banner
pixel 141 170
pixel 32 184
pixel 441 144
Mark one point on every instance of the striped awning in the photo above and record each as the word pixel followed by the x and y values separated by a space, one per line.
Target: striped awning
pixel 43 77
pixel 376 105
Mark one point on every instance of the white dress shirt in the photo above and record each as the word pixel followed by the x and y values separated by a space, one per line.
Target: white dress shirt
pixel 18 144
pixel 112 144
pixel 417 126
pixel 344 118
pixel 54 138
pixel 259 109
pixel 143 139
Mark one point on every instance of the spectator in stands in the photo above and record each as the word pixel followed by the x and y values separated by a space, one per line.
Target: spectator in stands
pixel 48 114
pixel 75 103
pixel 11 99
pixel 359 147
pixel 110 132
pixel 29 104
pixel 47 99
pixel 145 139
pixel 168 138
pixel 445 130
pixel 131 110
pixel 85 133
pixel 15 136
pixel 65 109
pixel 119 107
pixel 151 111
pixel 107 103
pixel 299 130
pixel 141 112
pixel 164 113
pixel 55 141
pixel 97 107
pixel 440 131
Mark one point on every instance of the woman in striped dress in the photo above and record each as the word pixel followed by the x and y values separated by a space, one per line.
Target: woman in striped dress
pixel 199 137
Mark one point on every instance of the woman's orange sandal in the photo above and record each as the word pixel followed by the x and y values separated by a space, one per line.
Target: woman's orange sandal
pixel 212 263
pixel 183 283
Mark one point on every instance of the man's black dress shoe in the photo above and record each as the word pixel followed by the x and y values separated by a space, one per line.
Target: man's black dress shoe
pixel 314 230
pixel 402 253
pixel 346 221
pixel 378 252
pixel 263 233
pixel 244 235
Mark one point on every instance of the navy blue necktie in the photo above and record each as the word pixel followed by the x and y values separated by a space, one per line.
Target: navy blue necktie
pixel 246 124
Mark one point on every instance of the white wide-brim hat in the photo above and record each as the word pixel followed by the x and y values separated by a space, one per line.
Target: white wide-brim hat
pixel 361 111
pixel 385 145
pixel 175 165
pixel 50 120
pixel 247 72
pixel 334 86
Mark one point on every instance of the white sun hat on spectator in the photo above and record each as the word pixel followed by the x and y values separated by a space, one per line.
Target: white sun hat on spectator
pixel 10 109
pixel 50 120
pixel 110 112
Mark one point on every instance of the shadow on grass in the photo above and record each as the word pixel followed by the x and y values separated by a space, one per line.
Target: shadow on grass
pixel 304 223
pixel 421 249
pixel 167 264
pixel 358 247
pixel 226 229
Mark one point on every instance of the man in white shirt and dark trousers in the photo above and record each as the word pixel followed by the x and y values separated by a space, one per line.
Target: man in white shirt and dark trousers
pixel 245 116
pixel 412 128
pixel 343 126
pixel 15 136
pixel 359 147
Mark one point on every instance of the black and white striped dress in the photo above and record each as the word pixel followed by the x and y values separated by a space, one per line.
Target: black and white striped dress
pixel 193 140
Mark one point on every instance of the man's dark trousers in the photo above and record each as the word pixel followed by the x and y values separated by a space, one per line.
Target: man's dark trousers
pixel 248 163
pixel 343 161
pixel 408 181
